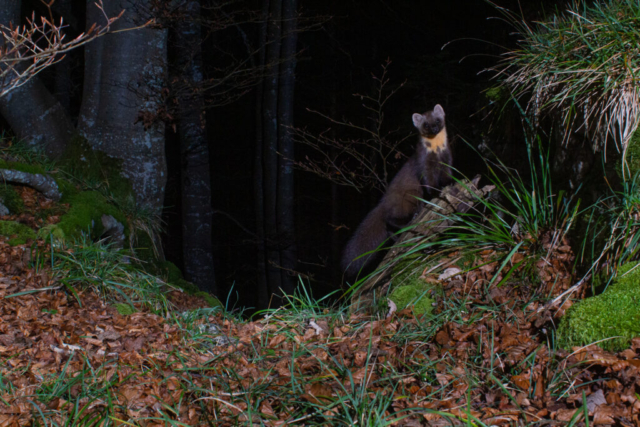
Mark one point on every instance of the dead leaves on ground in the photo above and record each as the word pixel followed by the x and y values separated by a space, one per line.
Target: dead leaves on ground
pixel 60 355
pixel 149 368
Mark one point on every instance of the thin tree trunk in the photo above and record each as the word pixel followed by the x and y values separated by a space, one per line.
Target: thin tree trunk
pixel 196 180
pixel 258 172
pixel 336 207
pixel 92 77
pixel 270 138
pixel 31 111
pixel 62 83
pixel 286 189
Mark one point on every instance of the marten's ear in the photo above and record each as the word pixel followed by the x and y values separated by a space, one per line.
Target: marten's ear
pixel 418 119
pixel 438 110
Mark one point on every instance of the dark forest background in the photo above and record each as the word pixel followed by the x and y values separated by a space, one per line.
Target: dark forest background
pixel 339 46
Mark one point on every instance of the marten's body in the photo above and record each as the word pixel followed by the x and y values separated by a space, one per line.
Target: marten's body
pixel 425 172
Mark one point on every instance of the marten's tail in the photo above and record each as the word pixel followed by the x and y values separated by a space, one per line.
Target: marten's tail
pixel 369 235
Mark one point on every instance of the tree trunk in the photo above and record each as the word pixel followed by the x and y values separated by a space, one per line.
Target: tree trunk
pixel 31 111
pixel 62 84
pixel 258 172
pixel 270 146
pixel 92 77
pixel 286 190
pixel 196 180
pixel 132 71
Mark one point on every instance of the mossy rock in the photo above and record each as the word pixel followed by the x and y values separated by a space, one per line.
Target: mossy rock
pixel 19 233
pixel 614 313
pixel 11 199
pixel 84 216
pixel 409 289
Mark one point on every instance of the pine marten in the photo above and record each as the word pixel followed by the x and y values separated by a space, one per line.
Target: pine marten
pixel 425 172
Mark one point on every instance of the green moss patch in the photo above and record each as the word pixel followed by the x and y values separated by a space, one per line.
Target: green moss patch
pixel 170 271
pixel 419 296
pixel 172 274
pixel 19 233
pixel 84 216
pixel 67 189
pixel 95 168
pixel 11 199
pixel 125 309
pixel 23 167
pixel 210 299
pixel 614 313
pixel 409 288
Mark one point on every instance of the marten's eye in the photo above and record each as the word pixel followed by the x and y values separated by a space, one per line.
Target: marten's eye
pixel 438 122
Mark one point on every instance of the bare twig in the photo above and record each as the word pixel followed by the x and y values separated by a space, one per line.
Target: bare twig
pixel 363 158
pixel 25 50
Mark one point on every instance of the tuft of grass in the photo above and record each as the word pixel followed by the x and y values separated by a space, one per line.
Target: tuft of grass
pixel 518 216
pixel 82 398
pixel 92 264
pixel 583 65
pixel 612 235
pixel 24 157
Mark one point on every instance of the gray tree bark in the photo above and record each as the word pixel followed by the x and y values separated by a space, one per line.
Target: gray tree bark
pixel 270 146
pixel 274 172
pixel 62 84
pixel 196 180
pixel 92 76
pixel 258 172
pixel 31 111
pixel 132 72
pixel 286 189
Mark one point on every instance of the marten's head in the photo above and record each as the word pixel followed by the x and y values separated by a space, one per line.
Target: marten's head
pixel 430 123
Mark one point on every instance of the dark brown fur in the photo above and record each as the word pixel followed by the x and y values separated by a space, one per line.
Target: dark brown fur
pixel 425 172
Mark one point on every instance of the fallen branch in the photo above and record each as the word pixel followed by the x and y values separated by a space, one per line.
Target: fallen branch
pixel 44 184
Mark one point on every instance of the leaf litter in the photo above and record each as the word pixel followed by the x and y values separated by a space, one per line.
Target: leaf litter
pixel 72 356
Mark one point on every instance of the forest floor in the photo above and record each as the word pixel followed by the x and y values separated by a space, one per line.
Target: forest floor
pixel 68 356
